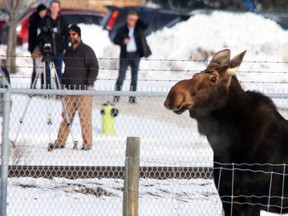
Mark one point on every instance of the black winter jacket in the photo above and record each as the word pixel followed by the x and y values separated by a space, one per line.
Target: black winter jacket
pixel 141 43
pixel 6 74
pixel 34 24
pixel 81 67
pixel 59 27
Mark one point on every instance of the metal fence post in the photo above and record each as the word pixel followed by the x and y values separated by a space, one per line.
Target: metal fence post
pixel 131 179
pixel 5 150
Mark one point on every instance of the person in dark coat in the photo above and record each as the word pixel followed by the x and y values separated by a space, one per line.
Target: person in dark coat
pixel 133 45
pixel 81 64
pixel 81 71
pixel 53 29
pixel 34 24
pixel 5 81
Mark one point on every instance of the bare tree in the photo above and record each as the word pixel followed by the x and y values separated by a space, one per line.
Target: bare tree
pixel 14 8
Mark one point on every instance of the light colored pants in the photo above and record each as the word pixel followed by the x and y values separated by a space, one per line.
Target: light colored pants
pixel 84 105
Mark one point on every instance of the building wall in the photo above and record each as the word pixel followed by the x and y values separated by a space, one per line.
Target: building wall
pixel 95 3
pixel 100 3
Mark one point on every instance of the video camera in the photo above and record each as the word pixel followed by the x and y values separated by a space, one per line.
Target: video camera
pixel 46 39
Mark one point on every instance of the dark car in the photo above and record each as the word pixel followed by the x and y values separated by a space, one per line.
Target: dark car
pixel 157 18
pixel 71 15
pixel 280 18
pixel 4 17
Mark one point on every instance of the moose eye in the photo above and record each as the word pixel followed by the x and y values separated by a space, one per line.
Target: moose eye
pixel 213 80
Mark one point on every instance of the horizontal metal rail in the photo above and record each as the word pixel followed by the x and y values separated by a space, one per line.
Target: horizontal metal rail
pixel 64 92
pixel 74 172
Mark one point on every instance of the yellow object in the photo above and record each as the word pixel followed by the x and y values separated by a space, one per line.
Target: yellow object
pixel 108 112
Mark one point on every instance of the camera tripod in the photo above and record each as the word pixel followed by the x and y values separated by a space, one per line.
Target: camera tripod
pixel 41 72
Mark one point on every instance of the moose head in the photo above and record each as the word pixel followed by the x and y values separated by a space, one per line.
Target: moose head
pixel 207 90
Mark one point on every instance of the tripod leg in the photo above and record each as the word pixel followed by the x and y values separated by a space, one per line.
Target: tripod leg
pixel 57 82
pixel 69 123
pixel 49 122
pixel 39 71
pixel 47 75
pixel 51 146
pixel 56 77
pixel 21 121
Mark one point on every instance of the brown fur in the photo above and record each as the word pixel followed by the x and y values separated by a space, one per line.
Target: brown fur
pixel 244 130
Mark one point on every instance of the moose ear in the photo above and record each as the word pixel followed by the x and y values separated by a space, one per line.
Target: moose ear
pixel 221 57
pixel 235 63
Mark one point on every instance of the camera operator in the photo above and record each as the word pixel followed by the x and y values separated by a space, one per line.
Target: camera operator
pixel 53 39
pixel 34 23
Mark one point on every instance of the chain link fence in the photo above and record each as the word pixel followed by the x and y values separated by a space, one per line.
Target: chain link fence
pixel 176 162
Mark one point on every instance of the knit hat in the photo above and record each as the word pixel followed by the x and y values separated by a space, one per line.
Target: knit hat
pixel 41 7
pixel 76 29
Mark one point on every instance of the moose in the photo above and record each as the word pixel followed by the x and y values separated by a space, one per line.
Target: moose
pixel 247 134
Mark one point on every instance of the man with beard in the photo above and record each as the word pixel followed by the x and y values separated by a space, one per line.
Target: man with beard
pixel 81 70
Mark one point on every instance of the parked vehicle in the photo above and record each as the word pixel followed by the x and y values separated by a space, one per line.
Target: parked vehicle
pixel 157 18
pixel 4 16
pixel 72 16
pixel 280 18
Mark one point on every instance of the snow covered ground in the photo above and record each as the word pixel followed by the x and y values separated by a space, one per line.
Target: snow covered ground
pixel 177 53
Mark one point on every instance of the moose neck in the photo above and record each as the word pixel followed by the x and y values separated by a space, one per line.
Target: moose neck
pixel 219 125
pixel 235 92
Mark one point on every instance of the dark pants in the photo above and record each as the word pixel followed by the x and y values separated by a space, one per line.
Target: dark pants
pixel 33 73
pixel 132 60
pixel 58 61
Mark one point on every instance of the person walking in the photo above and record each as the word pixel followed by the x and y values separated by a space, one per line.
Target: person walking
pixel 133 46
pixel 81 71
pixel 53 30
pixel 34 24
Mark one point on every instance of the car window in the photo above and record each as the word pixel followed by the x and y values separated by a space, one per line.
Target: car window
pixel 80 18
pixel 157 19
pixel 162 20
pixel 121 20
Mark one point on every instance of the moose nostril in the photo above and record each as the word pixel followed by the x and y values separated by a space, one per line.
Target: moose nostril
pixel 166 104
pixel 179 107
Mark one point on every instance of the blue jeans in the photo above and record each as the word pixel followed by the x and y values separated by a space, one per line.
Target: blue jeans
pixel 132 60
pixel 58 61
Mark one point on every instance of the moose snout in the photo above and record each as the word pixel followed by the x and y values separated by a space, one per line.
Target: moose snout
pixel 169 102
pixel 178 103
pixel 179 98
